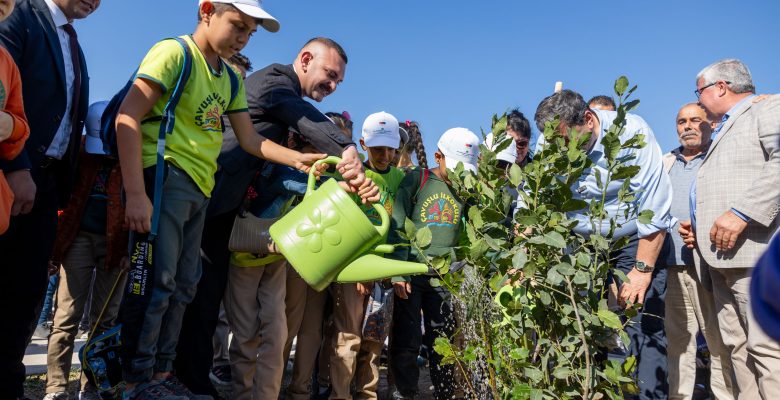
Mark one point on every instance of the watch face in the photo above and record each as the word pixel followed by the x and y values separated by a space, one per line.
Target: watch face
pixel 641 266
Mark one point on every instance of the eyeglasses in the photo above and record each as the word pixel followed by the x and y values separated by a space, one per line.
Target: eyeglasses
pixel 697 92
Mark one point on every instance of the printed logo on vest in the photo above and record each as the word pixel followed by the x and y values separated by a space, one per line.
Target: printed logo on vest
pixel 208 116
pixel 440 210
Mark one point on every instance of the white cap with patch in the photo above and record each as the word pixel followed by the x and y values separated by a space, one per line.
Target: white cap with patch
pixel 253 9
pixel 381 130
pixel 508 154
pixel 460 145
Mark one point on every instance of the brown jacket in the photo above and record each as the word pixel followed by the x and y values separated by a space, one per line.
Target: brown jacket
pixel 70 219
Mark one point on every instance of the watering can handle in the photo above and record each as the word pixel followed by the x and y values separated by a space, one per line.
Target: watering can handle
pixel 383 228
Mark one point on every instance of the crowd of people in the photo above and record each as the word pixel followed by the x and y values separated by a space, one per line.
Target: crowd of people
pixel 199 145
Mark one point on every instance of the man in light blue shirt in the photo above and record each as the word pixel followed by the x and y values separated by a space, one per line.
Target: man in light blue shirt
pixel 637 260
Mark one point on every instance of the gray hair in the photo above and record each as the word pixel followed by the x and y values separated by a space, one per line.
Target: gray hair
pixel 729 70
pixel 568 105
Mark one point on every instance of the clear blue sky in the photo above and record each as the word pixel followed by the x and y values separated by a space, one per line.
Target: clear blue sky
pixel 451 63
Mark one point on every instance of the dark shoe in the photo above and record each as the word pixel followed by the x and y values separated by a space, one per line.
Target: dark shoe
pixel 152 390
pixel 220 375
pixel 177 388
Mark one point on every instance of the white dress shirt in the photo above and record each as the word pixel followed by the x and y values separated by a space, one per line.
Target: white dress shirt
pixel 59 145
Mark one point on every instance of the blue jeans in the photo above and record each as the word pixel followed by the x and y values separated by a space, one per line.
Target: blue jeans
pixel 47 301
pixel 648 338
pixel 149 338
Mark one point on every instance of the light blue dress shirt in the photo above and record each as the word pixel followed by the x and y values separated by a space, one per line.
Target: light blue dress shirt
pixel 59 144
pixel 651 184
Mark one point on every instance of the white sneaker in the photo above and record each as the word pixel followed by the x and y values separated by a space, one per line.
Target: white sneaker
pixel 42 332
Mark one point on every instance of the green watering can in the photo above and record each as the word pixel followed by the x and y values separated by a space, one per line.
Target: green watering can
pixel 328 238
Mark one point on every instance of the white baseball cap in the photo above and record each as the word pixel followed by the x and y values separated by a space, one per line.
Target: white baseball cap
pixel 93 144
pixel 253 9
pixel 508 154
pixel 460 145
pixel 381 130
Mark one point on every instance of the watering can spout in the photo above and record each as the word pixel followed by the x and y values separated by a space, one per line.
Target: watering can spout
pixel 371 267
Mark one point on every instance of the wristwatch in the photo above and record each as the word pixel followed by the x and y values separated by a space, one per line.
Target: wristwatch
pixel 641 266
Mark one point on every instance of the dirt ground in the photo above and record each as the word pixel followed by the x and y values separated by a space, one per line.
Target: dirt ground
pixel 35 386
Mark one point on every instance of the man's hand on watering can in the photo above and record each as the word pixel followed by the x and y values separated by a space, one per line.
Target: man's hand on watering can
pixel 402 289
pixel 303 162
pixel 351 168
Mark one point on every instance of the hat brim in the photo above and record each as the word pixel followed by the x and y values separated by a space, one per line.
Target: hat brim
pixel 93 145
pixel 383 141
pixel 452 163
pixel 267 20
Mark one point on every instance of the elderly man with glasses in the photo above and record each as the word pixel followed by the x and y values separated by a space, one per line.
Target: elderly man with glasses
pixel 735 201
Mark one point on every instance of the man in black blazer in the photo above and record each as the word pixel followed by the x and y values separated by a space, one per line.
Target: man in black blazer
pixel 41 39
pixel 275 96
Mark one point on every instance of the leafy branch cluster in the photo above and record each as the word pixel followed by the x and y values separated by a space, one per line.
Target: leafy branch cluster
pixel 531 297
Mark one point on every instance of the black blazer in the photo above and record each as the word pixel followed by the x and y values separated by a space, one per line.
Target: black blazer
pixel 30 36
pixel 276 106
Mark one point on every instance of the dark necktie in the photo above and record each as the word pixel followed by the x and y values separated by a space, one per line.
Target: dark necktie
pixel 74 57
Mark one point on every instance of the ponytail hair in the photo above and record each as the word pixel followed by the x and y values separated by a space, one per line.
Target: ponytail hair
pixel 416 142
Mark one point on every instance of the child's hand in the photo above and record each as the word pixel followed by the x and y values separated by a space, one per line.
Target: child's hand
pixel 402 289
pixel 138 213
pixel 304 161
pixel 369 191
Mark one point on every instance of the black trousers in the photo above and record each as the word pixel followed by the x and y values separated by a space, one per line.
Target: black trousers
pixel 434 302
pixel 647 334
pixel 195 351
pixel 25 250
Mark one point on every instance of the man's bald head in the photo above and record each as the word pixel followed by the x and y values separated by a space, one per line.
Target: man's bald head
pixel 694 128
pixel 320 66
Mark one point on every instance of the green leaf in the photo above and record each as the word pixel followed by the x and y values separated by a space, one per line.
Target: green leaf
pixel 534 374
pixel 554 239
pixel 515 175
pixel 554 277
pixel 545 298
pixel 476 217
pixel 519 260
pixel 562 373
pixel 609 319
pixel 580 278
pixel 565 269
pixel 526 220
pixel 645 217
pixel 519 353
pixel 424 237
pixel 621 84
pixel 409 228
pixel 434 282
pixel 625 172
